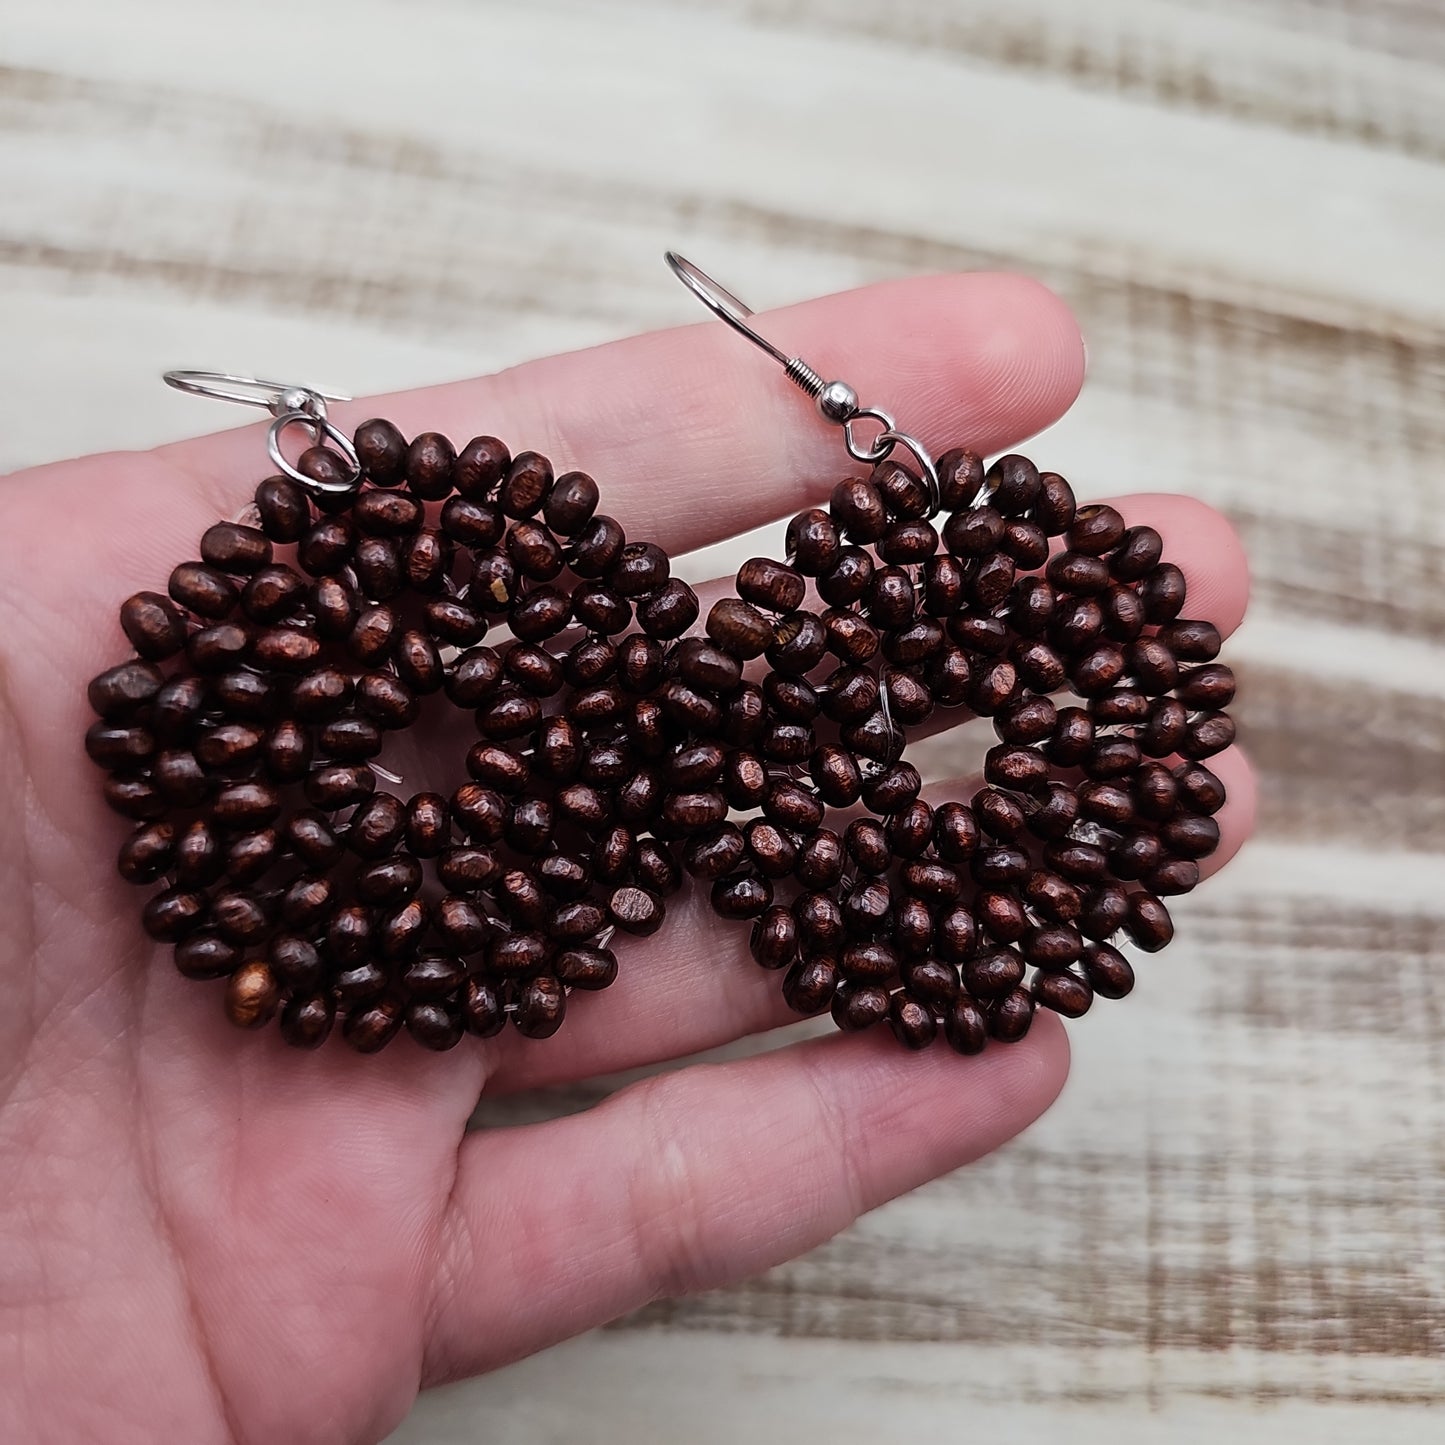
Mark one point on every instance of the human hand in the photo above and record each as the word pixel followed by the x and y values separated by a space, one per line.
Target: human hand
pixel 207 1236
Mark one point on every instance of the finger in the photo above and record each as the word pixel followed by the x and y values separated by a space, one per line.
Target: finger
pixel 695 986
pixel 691 434
pixel 696 1179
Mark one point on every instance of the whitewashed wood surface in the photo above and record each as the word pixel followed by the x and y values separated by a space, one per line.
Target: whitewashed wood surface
pixel 1233 1225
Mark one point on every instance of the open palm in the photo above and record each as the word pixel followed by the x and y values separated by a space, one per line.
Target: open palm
pixel 207 1236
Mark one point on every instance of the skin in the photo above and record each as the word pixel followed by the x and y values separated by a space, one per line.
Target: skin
pixel 205 1236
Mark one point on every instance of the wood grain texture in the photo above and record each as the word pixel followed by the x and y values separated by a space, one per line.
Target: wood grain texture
pixel 1234 1222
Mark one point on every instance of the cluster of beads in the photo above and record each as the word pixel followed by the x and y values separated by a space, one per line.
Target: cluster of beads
pixel 958 920
pixel 243 740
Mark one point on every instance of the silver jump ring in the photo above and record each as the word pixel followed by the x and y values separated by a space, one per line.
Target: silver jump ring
pixel 879 448
pixel 321 431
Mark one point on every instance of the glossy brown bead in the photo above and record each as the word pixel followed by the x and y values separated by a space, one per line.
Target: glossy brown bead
pixel 435 1025
pixel 1015 484
pixel 120 692
pixel 307 1019
pixel 1208 735
pixel 153 624
pixel 480 467
pixel 252 995
pixel 960 478
pixel 1162 593
pixel 1191 641
pixel 205 955
pixel 965 1026
pixel 170 915
pixel 1106 908
pixel 381 451
pixel 1065 993
pixel 636 911
pixel 585 968
pixel 820 859
pixel 809 985
pixel 859 1006
pixel 993 973
pixel 468 869
pixel 812 542
pixel 1108 971
pixel 820 920
pixel 1148 923
pixel 1011 1017
pixel 1000 914
pixel 360 983
pixel 845 582
pixel 240 917
pixel 1190 835
pixel 541 1007
pixel 669 611
pixel 857 508
pixel 911 1021
pixel 773 942
pixel 371 1028
pixel 203 589
pixel 333 786
pixel 1199 788
pixel 243 806
pixel 284 511
pixel 742 895
pixel 312 839
pixel 1097 529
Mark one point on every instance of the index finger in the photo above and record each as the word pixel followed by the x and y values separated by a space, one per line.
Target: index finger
pixel 692 435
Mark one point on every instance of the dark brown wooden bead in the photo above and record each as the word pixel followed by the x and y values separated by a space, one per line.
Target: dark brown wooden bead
pixel 1207 736
pixel 1136 554
pixel 1122 612
pixel 389 881
pixel 252 995
pixel 1098 529
pixel 809 985
pixel 176 708
pixel 351 739
pixel 792 806
pixel 741 895
pixel 529 826
pixel 1065 993
pixel 1135 855
pixel 584 805
pixel 845 582
pixel 772 851
pixel 1148 924
pixel 1077 622
pixel 694 765
pixel 993 973
pixel 586 968
pixel 774 939
pixel 460 924
pixel 849 694
pixel 955 832
pixel 311 838
pixel 913 644
pixel 510 714
pixel 1206 689
pixel 1188 835
pixel 284 511
pixel 909 701
pixel 965 1026
pixel 1000 814
pixel 517 955
pixel 273 594
pixel 239 917
pixel 245 695
pixel 370 1028
pixel 945 581
pixel 974 533
pixel 435 1025
pixel 377 564
pixel 326 548
pixel 1052 947
pixel 910 829
pixel 1000 867
pixel 169 916
pixel 480 812
pixel 835 774
pixel 536 671
pixel 247 805
pixel 902 490
pixel 480 467
pixel 540 614
pixel 993 687
pixel 688 710
pixel 715 853
pixel 820 860
pixel 960 479
pixel 1010 1018
pixel 1107 970
pixel 383 514
pixel 1015 483
pixel 799 641
pixel 381 451
pixel 118 748
pixel 541 1006
pixel 1199 788
pixel 307 901
pixel 597 546
pixel 468 869
pixel 282 649
pixel 820 920
pixel 1001 915
pixel 119 693
pixel 331 786
pixel 1078 862
pixel 534 552
pixel 636 911
pixel 204 590
pixel 1076 572
pixel 252 855
pixel 907 544
pixel 930 980
pixel 850 638
pixel 739 628
pixel 859 1006
pixel 153 624
pixel 321 694
pixel 640 568
pixel 857 508
pixel 912 1022
pixel 976 633
pixel 1172 877
pixel 669 611
pixel 1020 768
pixel 429 462
pixel 388 700
pixel 1190 641
pixel 869 960
pixel 1163 593
pixel 432 975
pixel 306 1020
pixel 426 556
pixel 205 955
pixel 955 934
pixel 811 542
pixel 1105 910
pixel 1164 733
pixel 890 601
pixel 148 852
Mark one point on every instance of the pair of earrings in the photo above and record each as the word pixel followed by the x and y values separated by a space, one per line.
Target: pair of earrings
pixel 614 747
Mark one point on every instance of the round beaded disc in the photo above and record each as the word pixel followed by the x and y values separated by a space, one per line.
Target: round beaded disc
pixel 956 920
pixel 274 681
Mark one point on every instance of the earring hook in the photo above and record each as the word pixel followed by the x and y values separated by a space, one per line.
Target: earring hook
pixel 836 401
pixel 289 405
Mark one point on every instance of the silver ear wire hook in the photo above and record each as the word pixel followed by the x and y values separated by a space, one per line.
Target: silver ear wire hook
pixel 836 401
pixel 303 406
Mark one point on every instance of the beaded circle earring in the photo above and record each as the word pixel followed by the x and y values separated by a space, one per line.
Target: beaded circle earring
pixel 943 591
pixel 247 735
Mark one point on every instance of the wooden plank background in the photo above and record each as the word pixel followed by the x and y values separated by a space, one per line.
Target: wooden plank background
pixel 1234 1222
